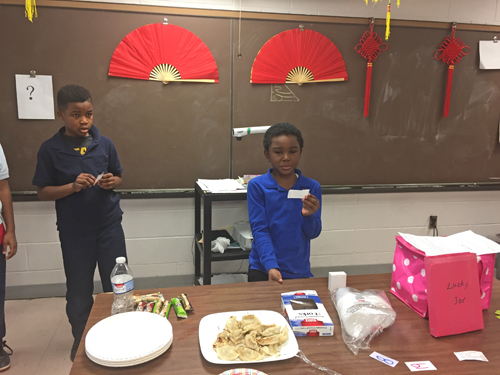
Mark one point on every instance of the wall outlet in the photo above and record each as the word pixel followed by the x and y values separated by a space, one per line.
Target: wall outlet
pixel 433 222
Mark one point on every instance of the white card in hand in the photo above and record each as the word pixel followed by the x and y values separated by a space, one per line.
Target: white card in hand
pixel 298 194
pixel 98 178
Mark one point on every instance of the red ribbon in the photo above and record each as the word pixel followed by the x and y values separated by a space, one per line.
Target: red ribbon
pixel 451 52
pixel 370 45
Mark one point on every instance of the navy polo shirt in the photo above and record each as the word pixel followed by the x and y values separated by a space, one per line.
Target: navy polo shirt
pixel 58 164
pixel 281 235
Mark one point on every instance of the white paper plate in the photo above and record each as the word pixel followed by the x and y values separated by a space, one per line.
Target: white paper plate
pixel 211 325
pixel 242 371
pixel 128 339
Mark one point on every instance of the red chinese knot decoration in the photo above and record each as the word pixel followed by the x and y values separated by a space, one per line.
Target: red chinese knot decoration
pixel 451 52
pixel 370 45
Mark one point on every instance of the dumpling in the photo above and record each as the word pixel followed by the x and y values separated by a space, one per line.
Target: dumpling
pixel 227 353
pixel 224 334
pixel 249 319
pixel 221 341
pixel 257 327
pixel 269 349
pixel 232 324
pixel 270 340
pixel 271 331
pixel 266 326
pixel 247 354
pixel 236 336
pixel 283 335
pixel 250 341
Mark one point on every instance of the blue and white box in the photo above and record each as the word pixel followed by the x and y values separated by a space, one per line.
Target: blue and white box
pixel 306 314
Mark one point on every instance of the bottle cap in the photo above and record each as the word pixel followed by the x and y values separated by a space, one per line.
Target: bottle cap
pixel 121 260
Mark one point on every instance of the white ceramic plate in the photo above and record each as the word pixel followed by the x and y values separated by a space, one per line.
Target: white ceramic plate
pixel 211 325
pixel 119 340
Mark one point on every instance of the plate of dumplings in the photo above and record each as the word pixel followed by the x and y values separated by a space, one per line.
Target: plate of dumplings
pixel 246 337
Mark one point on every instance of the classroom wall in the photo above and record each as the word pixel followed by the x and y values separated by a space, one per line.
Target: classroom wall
pixel 358 229
pixel 358 235
pixel 483 12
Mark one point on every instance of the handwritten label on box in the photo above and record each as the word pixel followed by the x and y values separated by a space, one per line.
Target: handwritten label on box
pixel 453 294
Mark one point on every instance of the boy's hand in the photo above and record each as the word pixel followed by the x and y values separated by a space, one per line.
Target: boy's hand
pixel 275 275
pixel 9 240
pixel 310 205
pixel 107 181
pixel 83 181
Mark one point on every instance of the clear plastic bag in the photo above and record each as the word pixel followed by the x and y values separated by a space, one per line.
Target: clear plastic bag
pixel 363 315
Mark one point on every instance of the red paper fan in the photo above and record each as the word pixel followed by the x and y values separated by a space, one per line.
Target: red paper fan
pixel 298 56
pixel 163 53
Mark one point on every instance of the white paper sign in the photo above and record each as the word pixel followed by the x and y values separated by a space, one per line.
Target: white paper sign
pixel 489 54
pixel 297 194
pixel 471 355
pixel 420 366
pixel 384 359
pixel 35 97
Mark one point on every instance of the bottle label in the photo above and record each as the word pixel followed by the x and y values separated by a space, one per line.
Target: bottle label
pixel 123 287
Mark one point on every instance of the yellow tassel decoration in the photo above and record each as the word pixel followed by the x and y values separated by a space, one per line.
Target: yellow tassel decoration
pixel 388 21
pixel 398 3
pixel 30 10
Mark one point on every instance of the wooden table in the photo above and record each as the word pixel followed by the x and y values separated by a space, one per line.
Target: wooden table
pixel 407 340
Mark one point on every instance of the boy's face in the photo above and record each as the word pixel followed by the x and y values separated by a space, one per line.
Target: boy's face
pixel 78 119
pixel 284 155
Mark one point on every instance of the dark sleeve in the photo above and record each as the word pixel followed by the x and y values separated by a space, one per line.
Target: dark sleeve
pixel 114 165
pixel 45 173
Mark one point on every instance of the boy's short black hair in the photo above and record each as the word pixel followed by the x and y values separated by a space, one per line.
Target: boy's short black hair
pixel 282 128
pixel 72 94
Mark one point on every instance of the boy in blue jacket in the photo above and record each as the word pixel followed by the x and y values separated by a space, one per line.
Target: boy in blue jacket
pixel 88 210
pixel 282 228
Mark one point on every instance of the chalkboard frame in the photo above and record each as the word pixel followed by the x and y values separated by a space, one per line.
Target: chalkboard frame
pixel 340 189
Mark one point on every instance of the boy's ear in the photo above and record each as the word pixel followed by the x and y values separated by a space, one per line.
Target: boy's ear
pixel 266 154
pixel 60 114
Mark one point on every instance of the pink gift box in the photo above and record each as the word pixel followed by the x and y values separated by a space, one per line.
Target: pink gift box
pixel 408 281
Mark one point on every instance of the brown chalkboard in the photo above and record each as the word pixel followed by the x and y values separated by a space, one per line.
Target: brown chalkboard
pixel 405 139
pixel 168 136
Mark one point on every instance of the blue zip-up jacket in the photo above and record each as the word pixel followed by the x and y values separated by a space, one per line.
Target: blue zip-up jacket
pixel 281 235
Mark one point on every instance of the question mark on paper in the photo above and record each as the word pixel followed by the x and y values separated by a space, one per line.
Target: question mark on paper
pixel 32 89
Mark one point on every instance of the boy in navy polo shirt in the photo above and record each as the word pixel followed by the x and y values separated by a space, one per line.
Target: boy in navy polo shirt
pixel 88 210
pixel 282 228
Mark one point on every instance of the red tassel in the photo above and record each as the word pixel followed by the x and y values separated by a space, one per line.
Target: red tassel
pixel 368 88
pixel 448 91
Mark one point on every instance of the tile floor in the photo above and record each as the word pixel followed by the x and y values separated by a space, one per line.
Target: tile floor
pixel 39 333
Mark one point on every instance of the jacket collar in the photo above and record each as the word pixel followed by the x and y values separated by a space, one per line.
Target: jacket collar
pixel 270 182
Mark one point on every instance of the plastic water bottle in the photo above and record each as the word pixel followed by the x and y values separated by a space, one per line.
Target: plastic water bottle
pixel 122 281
